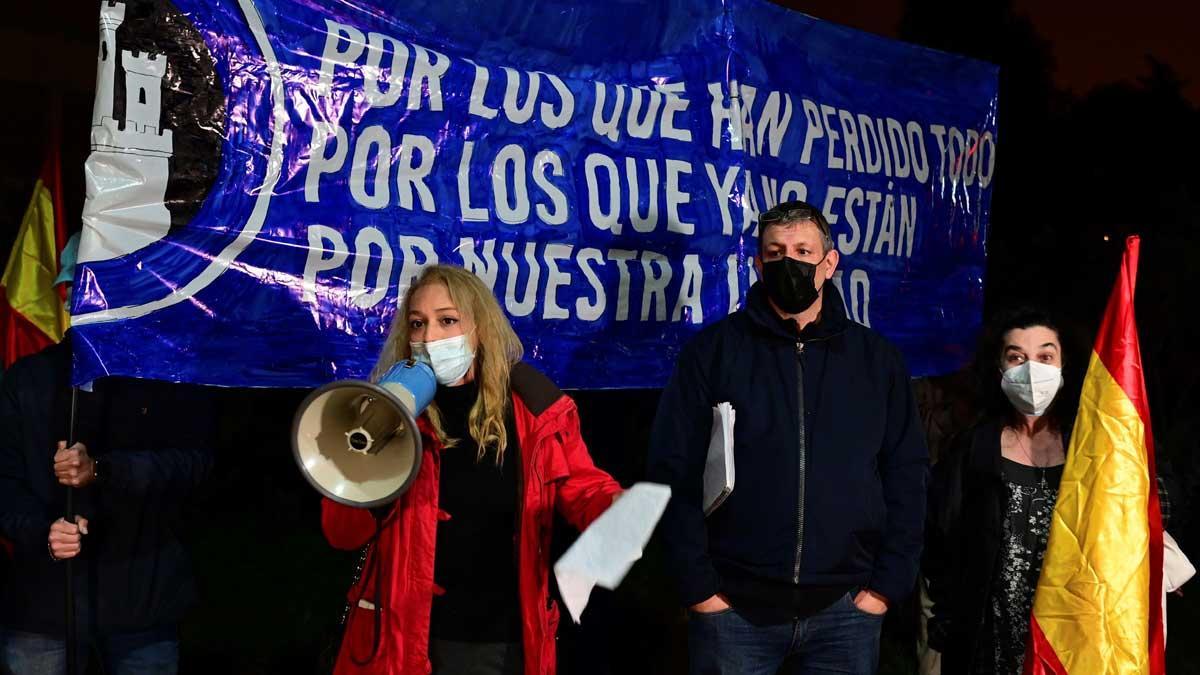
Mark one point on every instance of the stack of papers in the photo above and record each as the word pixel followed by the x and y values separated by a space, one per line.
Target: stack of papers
pixel 718 470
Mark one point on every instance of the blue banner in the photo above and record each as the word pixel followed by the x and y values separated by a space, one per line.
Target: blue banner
pixel 268 177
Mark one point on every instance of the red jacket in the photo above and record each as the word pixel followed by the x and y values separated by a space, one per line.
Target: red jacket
pixel 557 472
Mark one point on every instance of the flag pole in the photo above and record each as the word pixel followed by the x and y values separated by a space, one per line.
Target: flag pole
pixel 69 607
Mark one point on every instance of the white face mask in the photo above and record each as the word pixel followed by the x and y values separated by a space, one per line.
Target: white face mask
pixel 450 358
pixel 1032 386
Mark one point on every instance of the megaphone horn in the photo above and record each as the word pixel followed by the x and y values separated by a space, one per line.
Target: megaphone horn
pixel 357 442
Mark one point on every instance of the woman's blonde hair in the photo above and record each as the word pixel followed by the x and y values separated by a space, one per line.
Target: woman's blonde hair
pixel 497 349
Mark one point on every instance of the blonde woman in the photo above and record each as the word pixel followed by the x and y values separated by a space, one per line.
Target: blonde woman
pixel 455 574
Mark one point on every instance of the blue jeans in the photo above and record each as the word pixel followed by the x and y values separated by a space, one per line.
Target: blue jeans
pixel 840 639
pixel 152 652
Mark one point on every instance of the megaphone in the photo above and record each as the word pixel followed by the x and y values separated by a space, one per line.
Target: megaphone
pixel 357 442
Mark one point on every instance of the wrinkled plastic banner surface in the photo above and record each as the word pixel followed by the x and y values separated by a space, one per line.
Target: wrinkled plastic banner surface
pixel 268 176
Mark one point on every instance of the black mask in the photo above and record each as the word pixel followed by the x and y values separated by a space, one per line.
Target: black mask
pixel 791 284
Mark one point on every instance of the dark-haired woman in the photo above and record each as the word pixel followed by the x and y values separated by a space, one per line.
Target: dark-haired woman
pixel 993 496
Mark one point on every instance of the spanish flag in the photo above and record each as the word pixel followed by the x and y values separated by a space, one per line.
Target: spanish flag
pixel 1098 606
pixel 32 314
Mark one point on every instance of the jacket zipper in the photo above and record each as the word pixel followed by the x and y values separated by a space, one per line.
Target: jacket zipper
pixel 802 458
pixel 538 436
pixel 520 475
pixel 536 441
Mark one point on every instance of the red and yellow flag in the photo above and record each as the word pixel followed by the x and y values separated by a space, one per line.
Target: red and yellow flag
pixel 32 314
pixel 1098 607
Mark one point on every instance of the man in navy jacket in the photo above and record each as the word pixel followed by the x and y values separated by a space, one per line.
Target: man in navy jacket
pixel 822 532
pixel 143 448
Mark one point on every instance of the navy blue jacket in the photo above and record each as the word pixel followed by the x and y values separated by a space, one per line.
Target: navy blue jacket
pixel 838 500
pixel 133 573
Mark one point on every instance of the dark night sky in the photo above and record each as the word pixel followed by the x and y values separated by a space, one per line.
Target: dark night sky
pixel 1100 42
pixel 1093 43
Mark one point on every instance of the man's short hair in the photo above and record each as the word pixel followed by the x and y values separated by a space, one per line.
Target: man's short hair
pixel 789 213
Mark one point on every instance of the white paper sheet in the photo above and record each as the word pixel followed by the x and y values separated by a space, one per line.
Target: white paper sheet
pixel 607 549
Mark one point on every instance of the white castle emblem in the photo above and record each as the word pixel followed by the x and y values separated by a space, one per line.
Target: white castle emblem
pixel 127 171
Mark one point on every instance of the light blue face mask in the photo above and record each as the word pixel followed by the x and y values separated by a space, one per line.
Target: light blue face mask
pixel 450 358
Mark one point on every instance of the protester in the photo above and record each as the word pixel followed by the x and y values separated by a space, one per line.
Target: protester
pixel 822 532
pixel 502 452
pixel 142 448
pixel 992 497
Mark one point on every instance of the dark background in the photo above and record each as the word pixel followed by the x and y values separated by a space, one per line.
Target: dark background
pixel 1099 138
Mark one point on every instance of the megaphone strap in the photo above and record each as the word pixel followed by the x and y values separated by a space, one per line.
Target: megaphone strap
pixel 370 563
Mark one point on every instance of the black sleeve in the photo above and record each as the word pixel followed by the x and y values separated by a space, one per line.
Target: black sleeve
pixel 677 454
pixel 904 470
pixel 1170 496
pixel 941 526
pixel 185 460
pixel 24 518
